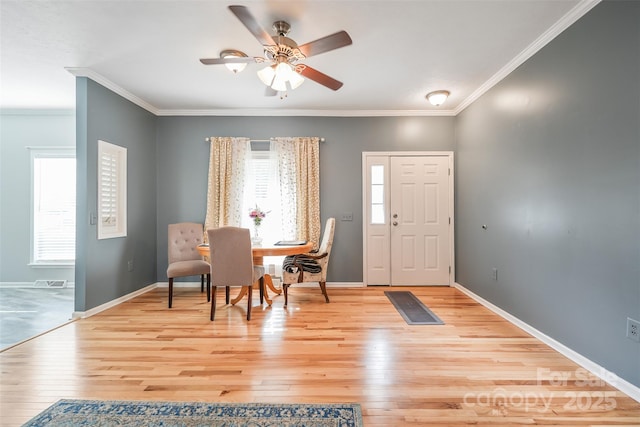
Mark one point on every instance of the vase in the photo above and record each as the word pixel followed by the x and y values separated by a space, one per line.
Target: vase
pixel 256 240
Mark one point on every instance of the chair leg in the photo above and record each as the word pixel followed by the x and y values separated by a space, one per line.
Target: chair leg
pixel 201 283
pixel 170 291
pixel 208 287
pixel 226 294
pixel 261 286
pixel 323 286
pixel 249 292
pixel 285 288
pixel 213 302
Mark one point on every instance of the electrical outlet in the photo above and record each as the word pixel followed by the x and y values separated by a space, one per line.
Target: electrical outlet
pixel 130 265
pixel 494 273
pixel 633 329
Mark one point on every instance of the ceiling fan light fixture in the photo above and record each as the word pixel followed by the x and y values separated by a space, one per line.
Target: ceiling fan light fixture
pixel 234 67
pixel 267 75
pixel 277 77
pixel 280 81
pixel 438 97
pixel 295 79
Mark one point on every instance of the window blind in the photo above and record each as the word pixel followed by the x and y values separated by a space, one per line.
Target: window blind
pixel 54 208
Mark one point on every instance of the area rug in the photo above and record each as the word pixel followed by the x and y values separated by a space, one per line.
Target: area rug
pixel 187 414
pixel 412 309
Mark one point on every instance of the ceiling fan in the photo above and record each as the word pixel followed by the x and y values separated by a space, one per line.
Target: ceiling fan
pixel 282 54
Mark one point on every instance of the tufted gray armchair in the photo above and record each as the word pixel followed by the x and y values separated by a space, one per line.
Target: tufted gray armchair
pixel 184 258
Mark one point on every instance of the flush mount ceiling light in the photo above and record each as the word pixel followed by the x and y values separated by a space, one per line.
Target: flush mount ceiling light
pixel 438 97
pixel 236 67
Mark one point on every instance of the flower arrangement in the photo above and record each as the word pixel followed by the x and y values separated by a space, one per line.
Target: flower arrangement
pixel 257 215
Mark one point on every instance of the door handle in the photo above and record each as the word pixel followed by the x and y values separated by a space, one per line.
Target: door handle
pixel 395 223
pixel 395 215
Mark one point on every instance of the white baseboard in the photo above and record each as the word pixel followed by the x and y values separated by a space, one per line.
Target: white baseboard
pixel 302 285
pixel 16 284
pixel 179 284
pixel 113 303
pixel 329 285
pixel 31 285
pixel 597 370
pixel 345 285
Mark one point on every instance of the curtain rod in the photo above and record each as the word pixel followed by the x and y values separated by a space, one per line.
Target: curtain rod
pixel 257 140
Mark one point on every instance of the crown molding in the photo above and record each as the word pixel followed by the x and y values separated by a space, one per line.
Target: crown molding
pixel 87 72
pixel 312 113
pixel 565 22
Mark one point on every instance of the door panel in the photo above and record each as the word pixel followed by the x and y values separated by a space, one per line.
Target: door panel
pixel 419 205
pixel 376 220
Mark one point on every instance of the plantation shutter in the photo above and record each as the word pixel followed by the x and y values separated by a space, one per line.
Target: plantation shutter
pixel 261 165
pixel 108 188
pixel 111 190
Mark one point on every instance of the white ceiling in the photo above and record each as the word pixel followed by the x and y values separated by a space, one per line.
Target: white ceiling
pixel 149 52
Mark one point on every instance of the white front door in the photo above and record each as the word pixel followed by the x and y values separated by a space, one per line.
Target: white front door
pixel 408 218
pixel 420 220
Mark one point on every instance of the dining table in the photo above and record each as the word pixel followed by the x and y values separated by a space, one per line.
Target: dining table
pixel 261 251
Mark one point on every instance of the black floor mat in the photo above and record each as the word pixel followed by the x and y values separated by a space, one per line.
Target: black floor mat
pixel 412 309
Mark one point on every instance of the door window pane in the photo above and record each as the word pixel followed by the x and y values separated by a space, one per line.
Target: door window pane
pixel 377 174
pixel 377 194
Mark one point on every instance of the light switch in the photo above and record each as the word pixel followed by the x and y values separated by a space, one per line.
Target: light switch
pixel 347 216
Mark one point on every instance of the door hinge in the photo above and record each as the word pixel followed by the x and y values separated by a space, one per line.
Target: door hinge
pixel 449 220
pixel 449 269
pixel 449 171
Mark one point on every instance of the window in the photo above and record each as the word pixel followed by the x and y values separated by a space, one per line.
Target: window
pixel 53 206
pixel 377 194
pixel 262 189
pixel 112 190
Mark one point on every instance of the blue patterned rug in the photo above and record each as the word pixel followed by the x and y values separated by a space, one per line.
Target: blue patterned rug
pixel 73 413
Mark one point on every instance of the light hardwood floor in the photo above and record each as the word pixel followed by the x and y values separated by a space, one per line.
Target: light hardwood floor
pixel 476 369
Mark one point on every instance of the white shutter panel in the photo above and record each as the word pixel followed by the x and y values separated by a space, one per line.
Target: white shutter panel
pixel 112 194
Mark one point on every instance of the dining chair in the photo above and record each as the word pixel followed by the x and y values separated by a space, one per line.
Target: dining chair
pixel 232 262
pixel 184 258
pixel 300 275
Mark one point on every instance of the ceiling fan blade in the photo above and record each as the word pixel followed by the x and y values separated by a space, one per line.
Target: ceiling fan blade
pixel 318 77
pixel 325 44
pixel 243 14
pixel 213 61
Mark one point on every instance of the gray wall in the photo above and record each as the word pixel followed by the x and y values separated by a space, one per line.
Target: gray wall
pixel 19 130
pixel 549 160
pixel 102 265
pixel 183 161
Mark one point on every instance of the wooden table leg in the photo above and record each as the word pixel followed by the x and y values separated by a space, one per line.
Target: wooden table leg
pixel 266 279
pixel 243 291
pixel 269 282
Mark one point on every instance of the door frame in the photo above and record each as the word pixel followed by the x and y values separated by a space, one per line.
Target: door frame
pixel 365 218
